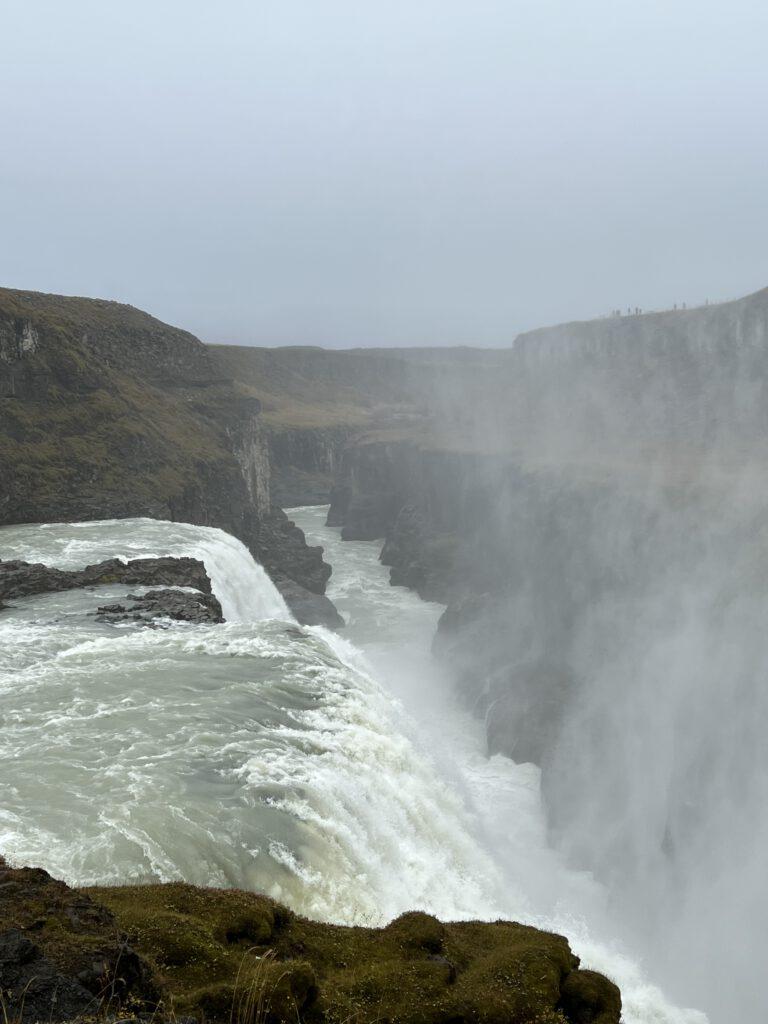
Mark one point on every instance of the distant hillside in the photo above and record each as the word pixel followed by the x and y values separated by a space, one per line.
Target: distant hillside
pixel 316 402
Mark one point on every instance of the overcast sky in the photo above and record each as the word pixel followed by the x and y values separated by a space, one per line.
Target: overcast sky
pixel 343 172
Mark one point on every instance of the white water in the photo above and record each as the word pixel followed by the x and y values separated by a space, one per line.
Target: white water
pixel 501 799
pixel 338 778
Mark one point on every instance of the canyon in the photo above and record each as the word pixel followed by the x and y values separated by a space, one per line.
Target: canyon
pixel 587 505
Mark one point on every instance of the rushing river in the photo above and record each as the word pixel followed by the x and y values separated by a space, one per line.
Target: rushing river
pixel 334 773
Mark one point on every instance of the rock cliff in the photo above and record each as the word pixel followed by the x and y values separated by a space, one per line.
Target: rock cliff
pixel 105 412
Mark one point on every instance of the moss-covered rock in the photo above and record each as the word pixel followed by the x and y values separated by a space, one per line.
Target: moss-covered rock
pixel 587 997
pixel 218 953
pixel 228 955
pixel 62 954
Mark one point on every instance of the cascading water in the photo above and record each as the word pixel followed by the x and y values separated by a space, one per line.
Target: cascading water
pixel 245 591
pixel 265 755
pixel 243 754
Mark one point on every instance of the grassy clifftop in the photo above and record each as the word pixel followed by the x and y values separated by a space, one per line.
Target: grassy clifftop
pixel 105 410
pixel 226 955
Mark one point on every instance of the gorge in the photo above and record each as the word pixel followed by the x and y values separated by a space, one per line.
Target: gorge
pixel 582 519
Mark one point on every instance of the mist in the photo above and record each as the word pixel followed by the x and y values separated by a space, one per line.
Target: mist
pixel 612 627
pixel 344 174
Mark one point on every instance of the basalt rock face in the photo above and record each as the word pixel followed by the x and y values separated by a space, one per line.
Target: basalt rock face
pixel 285 553
pixel 105 412
pixel 303 462
pixel 374 481
pixel 175 950
pixel 309 609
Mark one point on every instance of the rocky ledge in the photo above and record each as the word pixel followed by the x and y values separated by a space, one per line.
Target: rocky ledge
pixel 176 951
pixel 308 608
pixel 155 605
pixel 196 604
pixel 24 579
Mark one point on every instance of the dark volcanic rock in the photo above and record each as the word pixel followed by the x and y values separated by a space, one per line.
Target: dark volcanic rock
pixel 33 988
pixel 373 485
pixel 528 707
pixel 164 604
pixel 309 609
pixel 303 462
pixel 63 956
pixel 23 579
pixel 283 551
pixel 419 557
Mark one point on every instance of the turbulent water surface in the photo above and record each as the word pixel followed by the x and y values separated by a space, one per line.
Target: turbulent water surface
pixel 335 774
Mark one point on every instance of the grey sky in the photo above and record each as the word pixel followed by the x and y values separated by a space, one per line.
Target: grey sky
pixel 384 171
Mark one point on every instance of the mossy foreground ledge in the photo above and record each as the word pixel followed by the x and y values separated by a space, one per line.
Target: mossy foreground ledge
pixel 173 951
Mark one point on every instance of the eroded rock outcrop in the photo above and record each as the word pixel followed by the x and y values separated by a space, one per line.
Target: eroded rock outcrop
pixel 155 605
pixel 63 956
pixel 23 579
pixel 308 608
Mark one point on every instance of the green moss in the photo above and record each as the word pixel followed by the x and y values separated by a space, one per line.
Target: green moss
pixel 239 957
pixel 113 410
pixel 218 953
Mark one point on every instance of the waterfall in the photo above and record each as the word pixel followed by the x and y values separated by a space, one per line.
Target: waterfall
pixel 261 755
pixel 245 591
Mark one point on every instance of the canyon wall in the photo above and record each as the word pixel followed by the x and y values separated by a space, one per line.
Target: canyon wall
pixel 595 522
pixel 105 412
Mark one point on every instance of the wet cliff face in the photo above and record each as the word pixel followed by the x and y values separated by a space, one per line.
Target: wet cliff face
pixel 304 462
pixel 106 412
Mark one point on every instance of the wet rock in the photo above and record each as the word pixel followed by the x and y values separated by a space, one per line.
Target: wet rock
pixel 180 605
pixel 23 579
pixel 419 557
pixel 282 549
pixel 372 486
pixel 529 707
pixel 309 609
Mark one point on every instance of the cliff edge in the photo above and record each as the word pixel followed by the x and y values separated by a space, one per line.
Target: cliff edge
pixel 106 412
